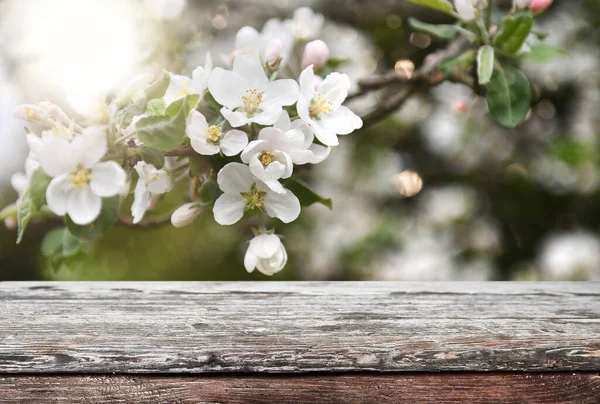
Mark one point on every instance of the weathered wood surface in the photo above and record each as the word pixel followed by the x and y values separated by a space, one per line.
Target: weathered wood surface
pixel 538 388
pixel 298 327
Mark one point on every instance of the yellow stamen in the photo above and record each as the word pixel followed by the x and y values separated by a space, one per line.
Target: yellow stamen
pixel 252 100
pixel 253 198
pixel 214 134
pixel 80 178
pixel 267 158
pixel 319 105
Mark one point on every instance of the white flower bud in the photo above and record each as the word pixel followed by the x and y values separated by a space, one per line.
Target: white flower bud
pixel 185 214
pixel 316 53
pixel 466 9
pixel 266 253
pixel 273 53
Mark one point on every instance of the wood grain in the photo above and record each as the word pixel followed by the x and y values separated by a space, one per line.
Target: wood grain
pixel 578 388
pixel 298 327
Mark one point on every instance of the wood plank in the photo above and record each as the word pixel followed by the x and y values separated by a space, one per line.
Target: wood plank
pixel 298 327
pixel 542 388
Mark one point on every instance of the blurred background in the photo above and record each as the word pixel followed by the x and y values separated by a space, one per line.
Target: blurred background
pixel 437 191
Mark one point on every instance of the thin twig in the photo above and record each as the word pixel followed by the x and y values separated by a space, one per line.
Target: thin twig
pixel 181 152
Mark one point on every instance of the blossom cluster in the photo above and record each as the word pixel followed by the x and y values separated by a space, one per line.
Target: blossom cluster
pixel 234 133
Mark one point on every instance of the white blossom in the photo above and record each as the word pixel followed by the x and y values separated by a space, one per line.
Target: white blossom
pixel 322 108
pixel 308 152
pixel 185 214
pixel 465 9
pixel 266 253
pixel 306 24
pixel 80 180
pixel 20 181
pixel 273 45
pixel 165 9
pixel 209 139
pixel 247 95
pixel 316 53
pixel 151 182
pixel 181 86
pixel 243 192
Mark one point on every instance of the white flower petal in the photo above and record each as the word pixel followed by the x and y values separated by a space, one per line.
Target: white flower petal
pixel 141 202
pixel 319 152
pixel 286 206
pixel 325 135
pixel 251 71
pixel 306 83
pixel 254 147
pixel 233 142
pixel 227 87
pixel 274 171
pixel 293 140
pixel 56 156
pixel 250 261
pixel 107 179
pixel 280 92
pixel 201 146
pixel 235 178
pixel 90 147
pixel 465 9
pixel 197 125
pixel 248 38
pixel 342 121
pixel 235 118
pixel 57 194
pixel 200 76
pixel 228 208
pixel 283 123
pixel 274 264
pixel 161 183
pixel 178 88
pixel 267 117
pixel 83 206
pixel 335 88
pixel 265 245
pixel 20 183
pixel 275 186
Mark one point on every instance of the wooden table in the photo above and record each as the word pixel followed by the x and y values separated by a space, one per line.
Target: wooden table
pixel 268 342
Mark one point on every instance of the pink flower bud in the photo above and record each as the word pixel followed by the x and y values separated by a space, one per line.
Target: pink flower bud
pixel 185 214
pixel 273 53
pixel 460 106
pixel 538 6
pixel 316 53
pixel 10 223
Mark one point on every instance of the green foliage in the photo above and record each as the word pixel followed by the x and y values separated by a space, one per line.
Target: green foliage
pixel 544 54
pixel 508 96
pixel 444 31
pixel 159 87
pixel 440 5
pixel 9 211
pixel 166 132
pixel 108 216
pixel 513 33
pixel 156 107
pixel 151 156
pixel 59 242
pixel 485 64
pixel 305 194
pixel 32 200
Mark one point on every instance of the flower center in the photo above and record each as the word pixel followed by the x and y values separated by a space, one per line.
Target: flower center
pixel 80 178
pixel 213 134
pixel 184 90
pixel 319 105
pixel 253 198
pixel 60 131
pixel 267 158
pixel 252 100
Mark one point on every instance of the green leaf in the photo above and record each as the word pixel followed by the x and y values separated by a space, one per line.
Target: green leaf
pixel 32 200
pixel 485 64
pixel 108 216
pixel 189 102
pixel 24 213
pixel 444 31
pixel 156 107
pixel 305 194
pixel 166 132
pixel 544 54
pixel 513 32
pixel 59 242
pixel 440 5
pixel 159 87
pixel 151 156
pixel 508 96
